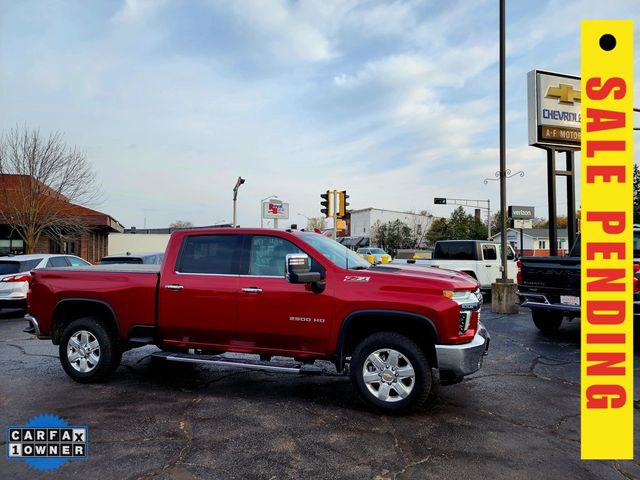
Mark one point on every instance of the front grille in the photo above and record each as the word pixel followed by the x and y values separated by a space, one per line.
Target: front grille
pixel 465 319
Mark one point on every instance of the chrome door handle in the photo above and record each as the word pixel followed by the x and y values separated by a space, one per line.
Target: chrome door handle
pixel 252 290
pixel 173 287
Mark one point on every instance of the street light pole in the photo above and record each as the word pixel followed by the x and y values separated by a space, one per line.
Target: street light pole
pixel 239 182
pixel 503 146
pixel 261 201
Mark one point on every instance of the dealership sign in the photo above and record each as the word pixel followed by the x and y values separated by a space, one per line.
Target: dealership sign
pixel 275 209
pixel 554 109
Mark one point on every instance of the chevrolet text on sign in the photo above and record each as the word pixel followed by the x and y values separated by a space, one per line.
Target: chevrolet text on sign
pixel 607 240
pixel 554 101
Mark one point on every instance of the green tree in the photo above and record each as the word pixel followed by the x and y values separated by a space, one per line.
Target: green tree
pixel 459 226
pixel 477 229
pixel 392 236
pixel 439 230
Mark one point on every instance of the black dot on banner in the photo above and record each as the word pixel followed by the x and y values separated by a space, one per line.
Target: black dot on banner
pixel 607 42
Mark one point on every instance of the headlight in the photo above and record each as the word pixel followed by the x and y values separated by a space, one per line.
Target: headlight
pixel 468 301
pixel 460 296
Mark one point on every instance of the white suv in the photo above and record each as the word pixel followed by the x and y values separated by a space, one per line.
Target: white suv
pixel 14 274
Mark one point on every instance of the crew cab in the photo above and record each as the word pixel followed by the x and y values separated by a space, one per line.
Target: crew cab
pixel 480 259
pixel 394 330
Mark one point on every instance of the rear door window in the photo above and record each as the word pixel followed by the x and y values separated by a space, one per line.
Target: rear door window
pixel 210 254
pixel 57 262
pixel 489 252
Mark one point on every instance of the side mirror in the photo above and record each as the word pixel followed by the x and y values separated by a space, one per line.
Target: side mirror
pixel 298 268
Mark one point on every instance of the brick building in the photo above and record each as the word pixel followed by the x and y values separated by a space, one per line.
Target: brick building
pixel 90 228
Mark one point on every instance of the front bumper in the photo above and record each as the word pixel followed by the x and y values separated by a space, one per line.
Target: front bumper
pixel 461 360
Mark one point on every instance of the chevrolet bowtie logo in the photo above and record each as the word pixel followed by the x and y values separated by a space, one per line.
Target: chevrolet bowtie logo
pixel 564 93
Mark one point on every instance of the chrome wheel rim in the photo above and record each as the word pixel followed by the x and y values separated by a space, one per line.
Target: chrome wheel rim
pixel 388 375
pixel 83 351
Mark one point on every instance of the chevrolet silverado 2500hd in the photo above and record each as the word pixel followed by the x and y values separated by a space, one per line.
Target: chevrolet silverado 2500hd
pixel 267 292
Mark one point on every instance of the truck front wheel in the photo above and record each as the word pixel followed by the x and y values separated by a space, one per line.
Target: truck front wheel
pixel 546 321
pixel 390 372
pixel 88 351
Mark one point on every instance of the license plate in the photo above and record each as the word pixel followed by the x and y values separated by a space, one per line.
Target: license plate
pixel 570 300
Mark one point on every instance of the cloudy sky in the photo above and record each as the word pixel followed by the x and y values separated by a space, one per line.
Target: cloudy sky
pixel 394 101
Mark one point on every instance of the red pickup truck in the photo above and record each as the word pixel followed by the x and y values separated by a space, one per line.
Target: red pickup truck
pixel 395 330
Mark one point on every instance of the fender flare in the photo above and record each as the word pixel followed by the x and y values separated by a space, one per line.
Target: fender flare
pixel 112 321
pixel 355 316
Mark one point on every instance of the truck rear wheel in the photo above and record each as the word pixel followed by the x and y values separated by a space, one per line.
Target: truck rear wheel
pixel 390 372
pixel 546 321
pixel 88 351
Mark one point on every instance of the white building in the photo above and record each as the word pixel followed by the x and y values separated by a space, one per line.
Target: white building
pixel 362 221
pixel 141 240
pixel 535 240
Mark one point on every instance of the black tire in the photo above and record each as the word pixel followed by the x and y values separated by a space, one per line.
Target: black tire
pixel 420 385
pixel 547 321
pixel 108 352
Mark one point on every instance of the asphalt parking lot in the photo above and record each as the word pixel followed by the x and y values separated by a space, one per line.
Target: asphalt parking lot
pixel 515 419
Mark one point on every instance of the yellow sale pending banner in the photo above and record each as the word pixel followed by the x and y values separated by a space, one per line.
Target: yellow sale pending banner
pixel 607 240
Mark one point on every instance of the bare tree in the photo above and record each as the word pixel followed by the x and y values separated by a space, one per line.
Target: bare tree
pixel 420 223
pixel 316 222
pixel 181 224
pixel 42 182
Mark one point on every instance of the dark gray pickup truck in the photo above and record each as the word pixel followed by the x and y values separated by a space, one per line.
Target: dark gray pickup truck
pixel 550 286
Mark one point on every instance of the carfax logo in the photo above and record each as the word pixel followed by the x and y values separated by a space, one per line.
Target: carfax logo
pixel 47 442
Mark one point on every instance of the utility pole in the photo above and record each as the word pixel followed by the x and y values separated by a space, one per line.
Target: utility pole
pixel 503 145
pixel 503 291
pixel 488 219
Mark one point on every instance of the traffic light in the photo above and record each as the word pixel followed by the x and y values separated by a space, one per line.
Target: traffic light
pixel 440 201
pixel 326 203
pixel 342 204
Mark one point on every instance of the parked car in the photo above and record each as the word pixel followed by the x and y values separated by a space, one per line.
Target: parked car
pixel 550 286
pixel 271 293
pixel 151 258
pixel 480 259
pixel 374 255
pixel 15 276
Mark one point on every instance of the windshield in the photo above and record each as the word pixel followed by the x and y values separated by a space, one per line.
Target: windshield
pixel 377 251
pixel 336 253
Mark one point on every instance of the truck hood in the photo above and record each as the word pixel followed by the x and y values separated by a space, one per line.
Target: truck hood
pixel 458 280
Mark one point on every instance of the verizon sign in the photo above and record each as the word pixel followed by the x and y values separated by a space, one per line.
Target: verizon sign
pixel 554 109
pixel 521 213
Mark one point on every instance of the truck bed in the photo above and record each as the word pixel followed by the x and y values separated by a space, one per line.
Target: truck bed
pixel 128 290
